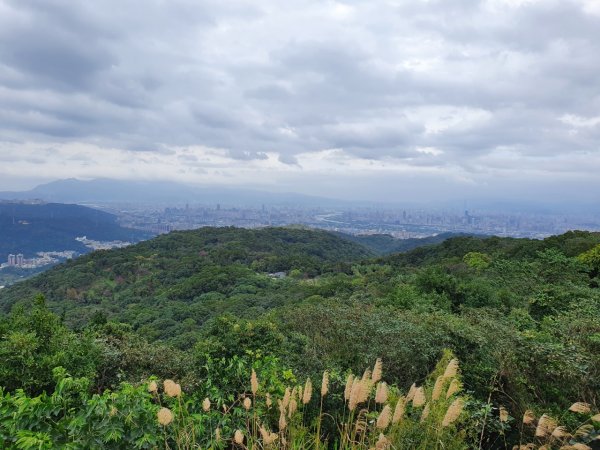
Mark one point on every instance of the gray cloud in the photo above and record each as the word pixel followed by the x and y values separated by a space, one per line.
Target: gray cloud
pixel 480 85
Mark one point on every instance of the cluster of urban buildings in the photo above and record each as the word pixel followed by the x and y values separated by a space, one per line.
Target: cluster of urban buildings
pixel 41 259
pixel 16 260
pixel 398 222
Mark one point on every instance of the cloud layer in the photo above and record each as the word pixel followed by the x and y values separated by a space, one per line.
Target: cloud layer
pixel 357 97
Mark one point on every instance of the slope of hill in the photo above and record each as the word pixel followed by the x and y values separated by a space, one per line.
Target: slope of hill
pixel 206 308
pixel 195 275
pixel 385 244
pixel 34 227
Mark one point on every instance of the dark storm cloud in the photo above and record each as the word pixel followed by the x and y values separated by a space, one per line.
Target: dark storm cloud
pixel 430 83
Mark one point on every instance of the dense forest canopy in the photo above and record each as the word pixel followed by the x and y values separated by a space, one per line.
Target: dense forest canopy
pixel 207 306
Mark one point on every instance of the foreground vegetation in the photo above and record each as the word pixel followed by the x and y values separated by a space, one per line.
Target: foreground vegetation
pixel 521 316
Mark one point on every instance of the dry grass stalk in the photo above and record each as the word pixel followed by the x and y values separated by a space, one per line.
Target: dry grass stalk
pixel 596 418
pixel 172 389
pixel 286 398
pixel 528 417
pixel 580 407
pixel 218 434
pixel 411 392
pixel 247 403
pixel 361 425
pixel 282 422
pixel 268 400
pixel 164 416
pixel 382 443
pixel 524 447
pixel 238 437
pixel 355 394
pixel 268 437
pixel 385 417
pixel 382 393
pixel 584 431
pixel 425 413
pixel 307 392
pixel 254 382
pixel 453 412
pixel 206 405
pixel 399 410
pixel 377 371
pixel 419 397
pixel 325 384
pixel 578 446
pixel 292 408
pixel 503 414
pixel 453 388
pixel 546 426
pixel 451 368
pixel 560 432
pixel 152 387
pixel 348 388
pixel 437 388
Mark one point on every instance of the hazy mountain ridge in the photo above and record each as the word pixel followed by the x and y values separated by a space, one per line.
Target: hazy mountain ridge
pixel 154 192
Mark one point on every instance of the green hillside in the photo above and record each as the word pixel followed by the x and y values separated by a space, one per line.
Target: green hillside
pixel 31 228
pixel 205 308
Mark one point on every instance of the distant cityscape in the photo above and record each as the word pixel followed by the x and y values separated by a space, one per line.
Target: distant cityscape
pixel 48 258
pixel 43 259
pixel 400 223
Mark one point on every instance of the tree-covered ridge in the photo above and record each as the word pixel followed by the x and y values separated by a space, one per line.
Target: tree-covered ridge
pixel 522 316
pixel 176 282
pixel 31 228
pixel 385 244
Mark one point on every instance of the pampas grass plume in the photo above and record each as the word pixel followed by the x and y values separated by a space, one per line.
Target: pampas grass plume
pixel 238 437
pixel 528 417
pixel 453 412
pixel 325 384
pixel 172 389
pixel 580 407
pixel 419 397
pixel 164 416
pixel 348 388
pixel 451 368
pixel 399 410
pixel 254 382
pixel 377 370
pixel 384 418
pixel 382 393
pixel 307 392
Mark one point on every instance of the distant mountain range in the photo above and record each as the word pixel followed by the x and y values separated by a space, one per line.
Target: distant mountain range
pixel 120 191
pixel 30 228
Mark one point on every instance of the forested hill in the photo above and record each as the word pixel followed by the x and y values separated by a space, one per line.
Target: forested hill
pixel 385 244
pixel 30 228
pixel 195 271
pixel 207 307
pixel 569 244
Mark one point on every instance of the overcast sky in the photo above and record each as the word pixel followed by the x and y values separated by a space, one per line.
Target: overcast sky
pixel 374 99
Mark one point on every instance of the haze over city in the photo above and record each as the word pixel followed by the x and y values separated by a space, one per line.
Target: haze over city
pixel 377 101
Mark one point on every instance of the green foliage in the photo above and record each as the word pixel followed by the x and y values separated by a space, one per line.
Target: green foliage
pixel 523 316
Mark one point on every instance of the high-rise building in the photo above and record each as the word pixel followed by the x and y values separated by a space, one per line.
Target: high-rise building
pixel 12 260
pixel 20 259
